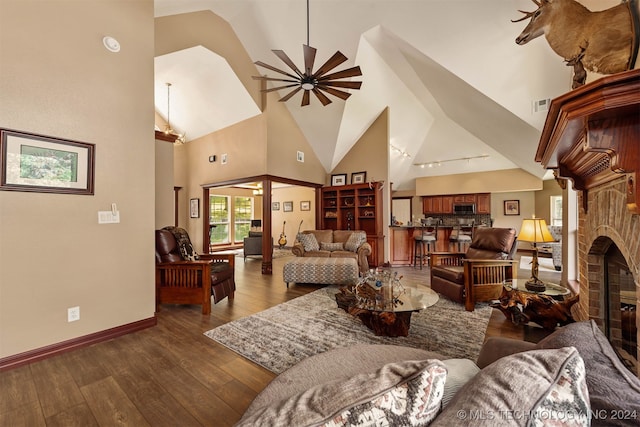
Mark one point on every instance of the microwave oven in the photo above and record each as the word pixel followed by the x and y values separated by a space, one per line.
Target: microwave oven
pixel 464 208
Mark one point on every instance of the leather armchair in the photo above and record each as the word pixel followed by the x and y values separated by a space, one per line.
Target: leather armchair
pixel 478 274
pixel 184 277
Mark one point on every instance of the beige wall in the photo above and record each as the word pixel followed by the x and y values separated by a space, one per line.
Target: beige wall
pixel 165 196
pixel 481 182
pixel 291 220
pixel 59 80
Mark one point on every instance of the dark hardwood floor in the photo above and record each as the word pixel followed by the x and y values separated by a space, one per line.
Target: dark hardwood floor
pixel 171 374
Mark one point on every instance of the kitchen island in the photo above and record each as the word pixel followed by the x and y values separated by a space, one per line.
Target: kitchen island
pixel 402 242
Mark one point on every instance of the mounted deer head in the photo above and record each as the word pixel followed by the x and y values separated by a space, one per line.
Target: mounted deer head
pixel 604 42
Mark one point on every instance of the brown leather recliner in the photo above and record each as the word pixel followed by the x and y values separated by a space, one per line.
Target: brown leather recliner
pixel 184 277
pixel 478 274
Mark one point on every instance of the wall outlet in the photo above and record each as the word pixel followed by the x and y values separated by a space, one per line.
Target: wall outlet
pixel 73 314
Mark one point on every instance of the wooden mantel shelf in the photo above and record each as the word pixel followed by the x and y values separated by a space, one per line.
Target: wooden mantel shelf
pixel 592 134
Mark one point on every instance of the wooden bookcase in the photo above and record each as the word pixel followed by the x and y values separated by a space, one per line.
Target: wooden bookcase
pixel 355 207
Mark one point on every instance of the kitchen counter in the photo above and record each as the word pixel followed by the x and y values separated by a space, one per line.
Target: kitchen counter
pixel 402 242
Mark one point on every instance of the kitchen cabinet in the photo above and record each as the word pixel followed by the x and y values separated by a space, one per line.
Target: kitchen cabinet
pixel 483 203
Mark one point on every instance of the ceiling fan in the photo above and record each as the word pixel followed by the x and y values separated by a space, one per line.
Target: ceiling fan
pixel 309 81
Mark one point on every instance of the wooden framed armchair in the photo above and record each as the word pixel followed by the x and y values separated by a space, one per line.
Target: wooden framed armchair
pixel 184 277
pixel 478 274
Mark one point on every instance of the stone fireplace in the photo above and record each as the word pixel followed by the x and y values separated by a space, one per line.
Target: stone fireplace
pixel 592 137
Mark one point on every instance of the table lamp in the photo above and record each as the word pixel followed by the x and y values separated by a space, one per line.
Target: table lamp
pixel 535 230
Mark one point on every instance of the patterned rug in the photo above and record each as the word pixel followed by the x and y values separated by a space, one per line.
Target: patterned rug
pixel 281 336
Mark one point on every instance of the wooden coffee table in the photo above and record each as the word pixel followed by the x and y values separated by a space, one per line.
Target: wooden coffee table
pixel 393 320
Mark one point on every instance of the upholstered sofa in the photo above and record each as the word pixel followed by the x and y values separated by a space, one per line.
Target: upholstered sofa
pixel 571 377
pixel 334 243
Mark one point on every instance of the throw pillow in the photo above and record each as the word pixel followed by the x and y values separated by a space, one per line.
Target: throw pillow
pixel 402 393
pixel 187 252
pixel 459 372
pixel 614 391
pixel 536 387
pixel 332 246
pixel 309 242
pixel 355 241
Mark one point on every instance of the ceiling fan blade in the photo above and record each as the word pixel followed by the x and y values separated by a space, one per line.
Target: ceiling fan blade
pixel 278 88
pixel 305 98
pixel 321 97
pixel 309 58
pixel 273 79
pixel 337 59
pixel 290 94
pixel 348 85
pixel 349 72
pixel 284 58
pixel 269 67
pixel 335 92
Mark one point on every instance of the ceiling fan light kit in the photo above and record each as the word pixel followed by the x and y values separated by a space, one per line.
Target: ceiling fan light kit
pixel 309 81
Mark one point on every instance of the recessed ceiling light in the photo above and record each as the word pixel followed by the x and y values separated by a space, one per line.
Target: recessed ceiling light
pixel 111 44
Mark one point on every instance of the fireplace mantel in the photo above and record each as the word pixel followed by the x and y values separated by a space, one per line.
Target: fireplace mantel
pixel 592 135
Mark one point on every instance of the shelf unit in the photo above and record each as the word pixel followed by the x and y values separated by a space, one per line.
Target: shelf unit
pixel 355 207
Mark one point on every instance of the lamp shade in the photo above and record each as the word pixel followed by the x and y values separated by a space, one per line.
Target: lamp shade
pixel 535 230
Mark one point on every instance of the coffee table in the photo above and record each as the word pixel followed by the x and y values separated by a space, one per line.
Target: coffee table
pixel 392 320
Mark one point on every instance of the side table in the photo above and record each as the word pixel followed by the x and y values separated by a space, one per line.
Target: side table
pixel 549 308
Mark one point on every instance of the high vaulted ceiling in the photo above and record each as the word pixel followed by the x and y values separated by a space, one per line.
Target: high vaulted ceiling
pixel 449 71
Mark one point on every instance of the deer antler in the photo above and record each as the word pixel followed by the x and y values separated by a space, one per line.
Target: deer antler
pixel 528 14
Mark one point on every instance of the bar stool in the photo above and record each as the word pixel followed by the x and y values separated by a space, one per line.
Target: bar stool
pixel 424 243
pixel 462 234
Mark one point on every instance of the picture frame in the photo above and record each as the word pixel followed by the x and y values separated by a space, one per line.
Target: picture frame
pixel 339 179
pixel 287 206
pixel 45 164
pixel 511 207
pixel 305 205
pixel 275 206
pixel 359 177
pixel 194 208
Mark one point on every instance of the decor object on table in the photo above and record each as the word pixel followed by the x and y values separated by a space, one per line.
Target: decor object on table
pixel 511 207
pixel 605 41
pixel 308 81
pixel 522 307
pixel 535 230
pixel 43 164
pixel 478 274
pixel 194 208
pixel 358 177
pixel 334 243
pixel 186 277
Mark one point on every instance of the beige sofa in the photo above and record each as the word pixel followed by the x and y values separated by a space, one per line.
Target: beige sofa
pixel 334 243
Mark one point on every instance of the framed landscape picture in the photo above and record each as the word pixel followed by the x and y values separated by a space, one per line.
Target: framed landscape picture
pixel 358 177
pixel 511 207
pixel 45 164
pixel 305 205
pixel 339 179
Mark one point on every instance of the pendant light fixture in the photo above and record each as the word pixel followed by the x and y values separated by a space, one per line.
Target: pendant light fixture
pixel 309 81
pixel 180 137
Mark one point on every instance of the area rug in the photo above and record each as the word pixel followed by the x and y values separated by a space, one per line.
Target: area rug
pixel 544 264
pixel 277 253
pixel 281 336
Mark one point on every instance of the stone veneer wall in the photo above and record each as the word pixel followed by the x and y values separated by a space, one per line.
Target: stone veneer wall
pixel 607 220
